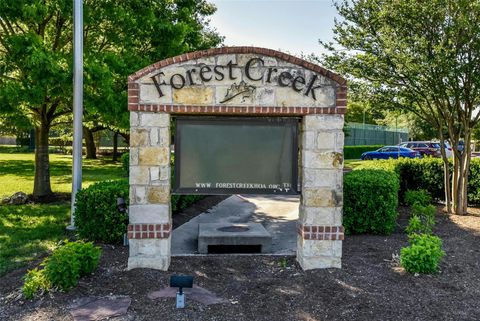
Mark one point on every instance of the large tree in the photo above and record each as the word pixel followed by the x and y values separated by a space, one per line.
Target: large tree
pixel 120 37
pixel 422 56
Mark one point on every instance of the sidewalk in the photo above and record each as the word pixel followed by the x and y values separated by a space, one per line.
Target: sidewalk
pixel 278 214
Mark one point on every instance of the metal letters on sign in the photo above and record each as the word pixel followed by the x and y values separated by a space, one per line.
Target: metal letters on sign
pixel 236 155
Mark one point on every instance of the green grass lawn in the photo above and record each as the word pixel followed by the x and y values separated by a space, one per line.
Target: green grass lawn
pixel 28 232
pixel 17 170
pixel 353 163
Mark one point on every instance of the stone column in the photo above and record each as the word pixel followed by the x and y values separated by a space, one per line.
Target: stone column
pixel 320 230
pixel 149 231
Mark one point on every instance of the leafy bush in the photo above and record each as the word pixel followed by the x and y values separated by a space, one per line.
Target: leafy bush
pixel 88 254
pixel 422 220
pixel 354 152
pixel 415 226
pixel 426 174
pixel 417 197
pixel 423 255
pixel 33 282
pixel 370 201
pixel 180 202
pixel 125 159
pixel 63 268
pixel 97 217
pixel 473 190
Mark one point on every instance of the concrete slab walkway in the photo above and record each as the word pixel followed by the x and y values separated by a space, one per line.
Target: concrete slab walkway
pixel 278 214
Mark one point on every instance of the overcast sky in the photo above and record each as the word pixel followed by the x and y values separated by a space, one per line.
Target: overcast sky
pixel 286 25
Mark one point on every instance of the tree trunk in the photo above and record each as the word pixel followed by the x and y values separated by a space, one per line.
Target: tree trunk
pixel 115 146
pixel 41 185
pixel 446 174
pixel 89 143
pixel 459 181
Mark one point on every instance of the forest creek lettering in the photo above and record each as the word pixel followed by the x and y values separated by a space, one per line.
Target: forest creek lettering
pixel 219 72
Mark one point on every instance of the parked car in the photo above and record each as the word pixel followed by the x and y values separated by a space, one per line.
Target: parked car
pixel 425 148
pixel 387 152
pixel 448 150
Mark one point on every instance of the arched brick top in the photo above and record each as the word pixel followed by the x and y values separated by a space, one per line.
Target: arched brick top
pixel 135 103
pixel 238 50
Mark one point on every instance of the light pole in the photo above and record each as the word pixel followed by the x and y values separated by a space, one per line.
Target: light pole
pixel 77 104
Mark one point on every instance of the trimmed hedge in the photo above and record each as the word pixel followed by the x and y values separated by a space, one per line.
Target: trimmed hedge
pixel 354 152
pixel 125 160
pixel 426 174
pixel 97 216
pixel 370 201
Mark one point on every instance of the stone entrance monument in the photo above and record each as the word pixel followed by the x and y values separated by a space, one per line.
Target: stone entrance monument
pixel 243 83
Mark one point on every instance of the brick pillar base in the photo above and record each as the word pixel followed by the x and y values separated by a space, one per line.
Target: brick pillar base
pixel 318 250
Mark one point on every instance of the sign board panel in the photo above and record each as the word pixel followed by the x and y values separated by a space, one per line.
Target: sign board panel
pixel 236 155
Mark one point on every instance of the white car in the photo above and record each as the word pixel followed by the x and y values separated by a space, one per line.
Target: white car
pixel 448 150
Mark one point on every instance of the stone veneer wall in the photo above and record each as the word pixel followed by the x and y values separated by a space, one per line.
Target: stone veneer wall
pixel 149 231
pixel 320 231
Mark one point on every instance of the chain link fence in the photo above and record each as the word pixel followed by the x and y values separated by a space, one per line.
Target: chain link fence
pixel 366 134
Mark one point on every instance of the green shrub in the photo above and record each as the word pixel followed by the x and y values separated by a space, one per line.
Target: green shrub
pixel 473 189
pixel 63 268
pixel 426 174
pixel 415 226
pixel 423 255
pixel 425 213
pixel 97 217
pixel 370 201
pixel 180 202
pixel 88 254
pixel 69 262
pixel 125 159
pixel 354 152
pixel 33 282
pixel 422 220
pixel 421 197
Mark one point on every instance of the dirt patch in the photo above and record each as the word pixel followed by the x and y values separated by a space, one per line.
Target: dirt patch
pixel 370 286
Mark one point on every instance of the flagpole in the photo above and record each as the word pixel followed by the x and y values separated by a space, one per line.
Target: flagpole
pixel 77 104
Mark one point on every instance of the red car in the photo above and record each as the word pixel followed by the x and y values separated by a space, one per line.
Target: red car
pixel 425 148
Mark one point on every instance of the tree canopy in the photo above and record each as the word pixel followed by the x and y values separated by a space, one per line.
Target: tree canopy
pixel 120 37
pixel 420 56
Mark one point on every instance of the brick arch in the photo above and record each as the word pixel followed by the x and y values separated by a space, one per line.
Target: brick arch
pixel 134 103
pixel 238 50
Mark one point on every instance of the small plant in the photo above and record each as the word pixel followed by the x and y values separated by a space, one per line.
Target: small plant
pixel 426 214
pixel 423 255
pixel 88 254
pixel 34 282
pixel 415 226
pixel 63 268
pixel 420 196
pixel 283 263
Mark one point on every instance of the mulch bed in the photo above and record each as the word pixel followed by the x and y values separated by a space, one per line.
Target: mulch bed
pixel 370 286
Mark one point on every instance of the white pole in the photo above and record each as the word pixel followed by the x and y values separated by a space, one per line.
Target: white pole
pixel 77 104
